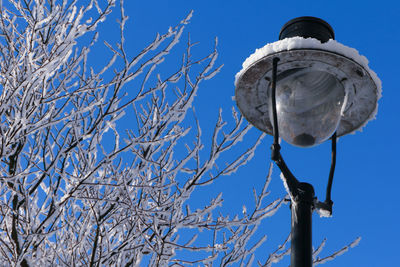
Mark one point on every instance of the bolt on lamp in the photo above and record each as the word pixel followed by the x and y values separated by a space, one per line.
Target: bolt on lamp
pixel 320 90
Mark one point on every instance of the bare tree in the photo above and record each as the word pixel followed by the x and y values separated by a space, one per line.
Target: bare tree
pixel 76 189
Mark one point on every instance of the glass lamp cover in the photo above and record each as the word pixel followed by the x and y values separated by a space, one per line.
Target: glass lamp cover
pixel 309 104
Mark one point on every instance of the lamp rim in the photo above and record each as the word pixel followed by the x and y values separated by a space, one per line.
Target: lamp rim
pixel 362 104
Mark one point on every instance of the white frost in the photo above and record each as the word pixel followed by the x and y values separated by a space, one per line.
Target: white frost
pixel 324 213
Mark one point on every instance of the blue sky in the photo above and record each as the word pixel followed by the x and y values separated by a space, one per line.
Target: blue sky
pixel 366 184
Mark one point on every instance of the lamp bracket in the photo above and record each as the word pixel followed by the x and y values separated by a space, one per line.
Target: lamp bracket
pixel 293 186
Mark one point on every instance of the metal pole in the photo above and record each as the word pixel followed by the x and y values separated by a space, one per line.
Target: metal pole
pixel 301 235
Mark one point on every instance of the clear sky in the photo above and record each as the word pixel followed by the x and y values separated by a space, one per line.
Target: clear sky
pixel 366 185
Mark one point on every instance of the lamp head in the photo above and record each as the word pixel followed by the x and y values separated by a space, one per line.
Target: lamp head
pixel 322 86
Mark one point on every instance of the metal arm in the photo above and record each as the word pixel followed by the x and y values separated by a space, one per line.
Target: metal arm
pixel 332 170
pixel 290 179
pixel 275 146
pixel 326 206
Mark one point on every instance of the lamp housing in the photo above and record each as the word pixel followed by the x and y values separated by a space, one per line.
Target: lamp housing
pixel 322 86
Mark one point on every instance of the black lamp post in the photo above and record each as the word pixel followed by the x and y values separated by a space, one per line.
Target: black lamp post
pixel 321 90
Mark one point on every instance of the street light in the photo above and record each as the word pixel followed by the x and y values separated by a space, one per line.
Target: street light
pixel 321 90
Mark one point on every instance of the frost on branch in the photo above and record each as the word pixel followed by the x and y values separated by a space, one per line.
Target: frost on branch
pixel 317 260
pixel 78 189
